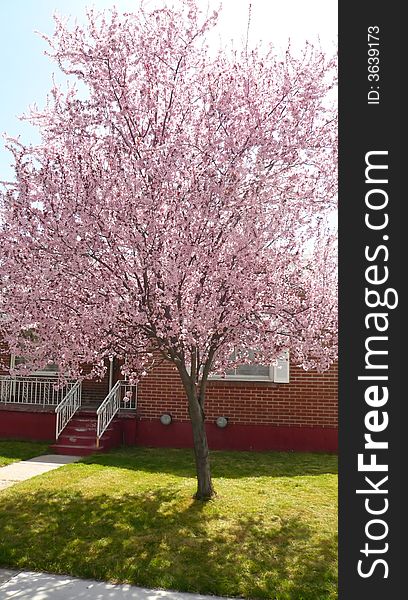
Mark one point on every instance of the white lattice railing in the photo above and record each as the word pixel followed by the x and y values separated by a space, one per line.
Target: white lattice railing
pixel 67 408
pixel 38 391
pixel 123 395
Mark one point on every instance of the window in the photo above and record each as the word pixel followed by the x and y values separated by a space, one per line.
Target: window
pixel 278 373
pixel 51 369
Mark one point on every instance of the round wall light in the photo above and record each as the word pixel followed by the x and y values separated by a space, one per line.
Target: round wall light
pixel 222 422
pixel 165 419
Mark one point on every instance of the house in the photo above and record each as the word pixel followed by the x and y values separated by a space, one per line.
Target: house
pixel 253 408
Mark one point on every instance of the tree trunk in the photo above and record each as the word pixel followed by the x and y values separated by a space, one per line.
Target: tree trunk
pixel 205 489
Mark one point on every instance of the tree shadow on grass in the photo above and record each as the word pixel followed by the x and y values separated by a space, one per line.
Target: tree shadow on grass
pixel 228 465
pixel 160 539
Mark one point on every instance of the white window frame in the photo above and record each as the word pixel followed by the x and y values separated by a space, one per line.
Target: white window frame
pixel 40 372
pixel 270 378
pixel 239 377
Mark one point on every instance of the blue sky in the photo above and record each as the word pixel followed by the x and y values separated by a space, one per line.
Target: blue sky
pixel 26 74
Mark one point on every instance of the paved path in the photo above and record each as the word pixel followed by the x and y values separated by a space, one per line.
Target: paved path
pixel 26 585
pixel 25 469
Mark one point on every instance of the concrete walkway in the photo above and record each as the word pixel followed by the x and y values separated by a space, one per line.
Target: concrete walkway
pixel 28 585
pixel 25 469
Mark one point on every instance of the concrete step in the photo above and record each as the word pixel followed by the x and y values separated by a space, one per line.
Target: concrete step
pixel 79 436
pixel 83 420
pixel 78 450
pixel 81 426
pixel 84 440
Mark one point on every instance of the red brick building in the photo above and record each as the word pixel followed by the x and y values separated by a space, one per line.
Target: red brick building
pixel 263 410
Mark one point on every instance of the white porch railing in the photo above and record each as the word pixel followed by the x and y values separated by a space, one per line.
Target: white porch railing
pixel 67 408
pixel 123 395
pixel 38 391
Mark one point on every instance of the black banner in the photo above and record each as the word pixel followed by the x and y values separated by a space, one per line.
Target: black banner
pixel 373 269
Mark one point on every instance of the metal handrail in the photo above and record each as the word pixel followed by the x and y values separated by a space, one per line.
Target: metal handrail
pixel 107 410
pixel 67 408
pixel 38 391
pixel 123 395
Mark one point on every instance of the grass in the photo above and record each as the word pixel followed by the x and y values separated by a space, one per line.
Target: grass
pixel 13 451
pixel 128 516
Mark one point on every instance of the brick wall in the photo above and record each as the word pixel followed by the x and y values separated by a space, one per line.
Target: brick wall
pixel 94 391
pixel 300 415
pixel 310 399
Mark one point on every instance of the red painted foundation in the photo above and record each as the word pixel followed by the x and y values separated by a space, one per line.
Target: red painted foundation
pixel 30 426
pixel 129 431
pixel 239 437
pixel 125 427
pixel 39 426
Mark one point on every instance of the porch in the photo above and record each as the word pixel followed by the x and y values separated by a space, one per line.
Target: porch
pixel 38 408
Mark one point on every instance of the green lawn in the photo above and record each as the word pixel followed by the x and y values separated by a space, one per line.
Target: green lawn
pixel 13 451
pixel 129 516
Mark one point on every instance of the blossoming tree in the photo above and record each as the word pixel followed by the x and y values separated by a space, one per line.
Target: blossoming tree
pixel 173 208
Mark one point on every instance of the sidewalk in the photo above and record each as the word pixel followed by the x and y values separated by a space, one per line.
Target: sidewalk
pixel 26 585
pixel 25 469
